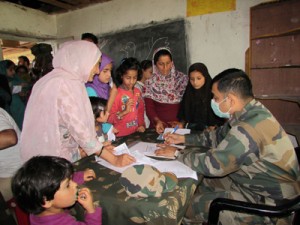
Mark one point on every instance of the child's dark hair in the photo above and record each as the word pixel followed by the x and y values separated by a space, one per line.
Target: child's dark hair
pixel 128 64
pixel 98 105
pixel 89 36
pixel 145 64
pixel 38 180
pixel 25 59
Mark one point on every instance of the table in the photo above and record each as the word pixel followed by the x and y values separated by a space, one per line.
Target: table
pixel 119 209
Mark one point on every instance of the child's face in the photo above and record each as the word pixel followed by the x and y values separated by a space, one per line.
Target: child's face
pixel 105 74
pixel 66 195
pixel 147 73
pixel 103 117
pixel 10 71
pixel 197 79
pixel 129 79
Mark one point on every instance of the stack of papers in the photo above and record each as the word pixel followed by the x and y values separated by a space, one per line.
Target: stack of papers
pixel 148 149
pixel 139 151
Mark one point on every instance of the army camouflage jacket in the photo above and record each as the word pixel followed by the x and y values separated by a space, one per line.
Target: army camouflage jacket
pixel 253 150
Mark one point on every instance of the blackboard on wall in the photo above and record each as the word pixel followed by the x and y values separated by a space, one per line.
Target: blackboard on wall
pixel 140 43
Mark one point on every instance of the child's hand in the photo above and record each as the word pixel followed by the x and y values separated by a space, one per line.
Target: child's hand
pixel 160 126
pixel 115 131
pixel 175 123
pixel 141 129
pixel 85 198
pixel 89 174
pixel 129 105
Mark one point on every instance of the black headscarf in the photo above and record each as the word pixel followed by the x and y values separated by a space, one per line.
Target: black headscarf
pixel 195 105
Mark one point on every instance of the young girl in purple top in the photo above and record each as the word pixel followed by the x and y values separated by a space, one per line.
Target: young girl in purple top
pixel 101 84
pixel 45 186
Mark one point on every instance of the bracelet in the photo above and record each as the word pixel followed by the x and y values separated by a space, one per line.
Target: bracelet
pixel 100 151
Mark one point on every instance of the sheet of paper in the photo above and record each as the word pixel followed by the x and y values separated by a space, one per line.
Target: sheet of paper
pixel 178 131
pixel 16 89
pixel 121 149
pixel 174 166
pixel 293 140
pixel 140 159
pixel 148 149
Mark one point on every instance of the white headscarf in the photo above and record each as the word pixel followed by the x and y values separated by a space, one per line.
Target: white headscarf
pixel 59 102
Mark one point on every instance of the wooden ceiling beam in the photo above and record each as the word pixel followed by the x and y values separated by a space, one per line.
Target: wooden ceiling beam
pixel 59 4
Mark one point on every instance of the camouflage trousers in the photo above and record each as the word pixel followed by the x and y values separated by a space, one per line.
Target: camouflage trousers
pixel 212 188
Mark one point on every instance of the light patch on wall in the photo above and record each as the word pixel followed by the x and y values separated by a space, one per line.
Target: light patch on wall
pixel 200 7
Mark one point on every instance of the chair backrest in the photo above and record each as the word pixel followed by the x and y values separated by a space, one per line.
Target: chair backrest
pixel 290 207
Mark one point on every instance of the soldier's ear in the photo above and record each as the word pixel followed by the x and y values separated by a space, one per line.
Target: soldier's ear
pixel 235 102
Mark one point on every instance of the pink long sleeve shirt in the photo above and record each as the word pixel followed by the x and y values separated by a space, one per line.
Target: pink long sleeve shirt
pixel 129 123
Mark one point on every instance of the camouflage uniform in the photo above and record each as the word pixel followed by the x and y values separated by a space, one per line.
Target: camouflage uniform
pixel 147 181
pixel 250 159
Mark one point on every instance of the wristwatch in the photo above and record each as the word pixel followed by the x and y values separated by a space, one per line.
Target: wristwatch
pixel 176 153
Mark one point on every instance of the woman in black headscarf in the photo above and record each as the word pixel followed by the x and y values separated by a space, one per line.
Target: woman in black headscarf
pixel 195 112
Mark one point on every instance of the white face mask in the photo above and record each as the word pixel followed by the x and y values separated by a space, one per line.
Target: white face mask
pixel 216 108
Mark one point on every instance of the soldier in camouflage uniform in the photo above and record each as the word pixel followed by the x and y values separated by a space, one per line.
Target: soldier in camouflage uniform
pixel 250 158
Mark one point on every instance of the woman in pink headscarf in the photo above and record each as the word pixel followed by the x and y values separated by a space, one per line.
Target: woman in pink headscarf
pixel 59 118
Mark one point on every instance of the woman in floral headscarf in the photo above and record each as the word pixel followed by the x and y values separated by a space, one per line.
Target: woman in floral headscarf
pixel 164 91
pixel 59 117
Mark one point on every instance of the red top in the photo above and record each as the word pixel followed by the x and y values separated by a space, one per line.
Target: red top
pixel 132 120
pixel 164 111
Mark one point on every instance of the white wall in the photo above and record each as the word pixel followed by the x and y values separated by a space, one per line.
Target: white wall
pixel 24 23
pixel 219 40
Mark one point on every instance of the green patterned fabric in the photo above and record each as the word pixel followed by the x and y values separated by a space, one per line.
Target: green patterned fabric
pixel 119 208
pixel 147 181
pixel 250 159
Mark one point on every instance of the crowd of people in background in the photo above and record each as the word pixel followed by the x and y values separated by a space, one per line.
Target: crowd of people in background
pixel 64 106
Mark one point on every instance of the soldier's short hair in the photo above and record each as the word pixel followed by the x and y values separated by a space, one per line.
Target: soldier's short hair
pixel 236 81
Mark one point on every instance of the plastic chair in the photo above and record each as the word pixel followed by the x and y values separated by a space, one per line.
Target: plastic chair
pixel 284 210
pixel 288 208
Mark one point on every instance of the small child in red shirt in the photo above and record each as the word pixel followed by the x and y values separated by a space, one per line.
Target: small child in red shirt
pixel 127 112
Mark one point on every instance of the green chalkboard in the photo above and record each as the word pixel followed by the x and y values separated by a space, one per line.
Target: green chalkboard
pixel 140 43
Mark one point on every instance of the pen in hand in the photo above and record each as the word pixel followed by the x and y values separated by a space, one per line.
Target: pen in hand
pixel 174 130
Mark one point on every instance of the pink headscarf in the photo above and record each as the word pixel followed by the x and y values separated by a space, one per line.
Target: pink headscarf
pixel 59 116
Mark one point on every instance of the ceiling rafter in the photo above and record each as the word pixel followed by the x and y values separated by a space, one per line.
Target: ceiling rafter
pixel 59 4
